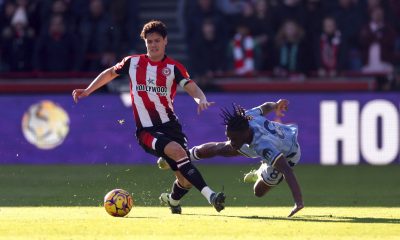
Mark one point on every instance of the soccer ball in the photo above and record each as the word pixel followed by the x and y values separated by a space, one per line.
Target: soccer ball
pixel 45 124
pixel 118 202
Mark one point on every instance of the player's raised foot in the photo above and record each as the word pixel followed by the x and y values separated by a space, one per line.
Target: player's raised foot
pixel 218 201
pixel 164 199
pixel 251 177
pixel 162 163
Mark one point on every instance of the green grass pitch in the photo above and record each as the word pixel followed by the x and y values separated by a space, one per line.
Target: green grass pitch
pixel 64 202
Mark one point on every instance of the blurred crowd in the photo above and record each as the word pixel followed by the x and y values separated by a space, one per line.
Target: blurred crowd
pixel 282 38
pixel 295 38
pixel 65 35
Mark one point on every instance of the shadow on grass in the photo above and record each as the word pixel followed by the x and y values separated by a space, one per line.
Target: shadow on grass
pixel 313 218
pixel 141 217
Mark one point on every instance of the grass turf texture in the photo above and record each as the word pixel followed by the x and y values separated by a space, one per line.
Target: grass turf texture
pixel 364 223
pixel 358 202
pixel 86 185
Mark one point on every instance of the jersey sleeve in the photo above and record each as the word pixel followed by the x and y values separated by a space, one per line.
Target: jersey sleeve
pixel 123 66
pixel 269 153
pixel 256 111
pixel 181 75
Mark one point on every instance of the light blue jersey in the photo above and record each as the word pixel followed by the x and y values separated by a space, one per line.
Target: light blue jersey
pixel 271 139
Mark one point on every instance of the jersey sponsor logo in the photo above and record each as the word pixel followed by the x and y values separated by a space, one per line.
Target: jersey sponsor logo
pixel 160 90
pixel 276 130
pixel 150 81
pixel 166 71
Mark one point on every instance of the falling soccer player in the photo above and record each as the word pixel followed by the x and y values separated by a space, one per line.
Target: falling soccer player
pixel 251 134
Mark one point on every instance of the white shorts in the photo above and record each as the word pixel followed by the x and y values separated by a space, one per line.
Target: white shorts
pixel 271 176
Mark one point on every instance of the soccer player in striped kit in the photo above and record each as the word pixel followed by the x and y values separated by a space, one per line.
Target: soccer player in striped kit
pixel 154 78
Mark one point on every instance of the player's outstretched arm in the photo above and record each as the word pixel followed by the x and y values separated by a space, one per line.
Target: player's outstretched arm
pixel 279 107
pixel 102 79
pixel 282 165
pixel 193 90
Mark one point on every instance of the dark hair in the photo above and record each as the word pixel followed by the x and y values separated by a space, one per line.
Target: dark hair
pixel 154 26
pixel 236 120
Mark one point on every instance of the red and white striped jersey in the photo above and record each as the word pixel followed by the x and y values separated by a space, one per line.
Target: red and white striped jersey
pixel 153 87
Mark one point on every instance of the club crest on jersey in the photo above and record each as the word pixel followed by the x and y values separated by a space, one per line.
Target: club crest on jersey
pixel 166 71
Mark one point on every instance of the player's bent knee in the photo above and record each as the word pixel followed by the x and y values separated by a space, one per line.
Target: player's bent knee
pixel 175 151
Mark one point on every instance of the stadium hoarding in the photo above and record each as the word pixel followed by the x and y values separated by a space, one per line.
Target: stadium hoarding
pixel 334 128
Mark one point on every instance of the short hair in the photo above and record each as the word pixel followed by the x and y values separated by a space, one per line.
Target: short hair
pixel 154 26
pixel 235 120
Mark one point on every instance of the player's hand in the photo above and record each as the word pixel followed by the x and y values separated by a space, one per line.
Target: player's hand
pixel 78 94
pixel 203 105
pixel 297 207
pixel 281 106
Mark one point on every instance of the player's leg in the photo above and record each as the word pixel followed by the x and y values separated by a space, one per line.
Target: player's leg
pixel 206 150
pixel 153 142
pixel 176 152
pixel 169 141
pixel 180 187
pixel 163 164
pixel 261 188
pixel 253 175
pixel 268 177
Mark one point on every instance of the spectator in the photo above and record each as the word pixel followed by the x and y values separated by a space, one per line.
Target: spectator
pixel 125 22
pixel 17 42
pixel 98 38
pixel 290 56
pixel 313 28
pixel 328 49
pixel 349 21
pixel 262 31
pixel 31 8
pixel 377 41
pixel 197 12
pixel 61 7
pixel 210 54
pixel 7 13
pixel 232 10
pixel 243 51
pixel 289 10
pixel 57 50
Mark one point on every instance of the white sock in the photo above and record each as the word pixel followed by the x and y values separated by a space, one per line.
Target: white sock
pixel 172 201
pixel 193 156
pixel 206 191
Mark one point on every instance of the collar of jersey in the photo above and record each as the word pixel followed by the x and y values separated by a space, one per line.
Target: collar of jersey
pixel 155 63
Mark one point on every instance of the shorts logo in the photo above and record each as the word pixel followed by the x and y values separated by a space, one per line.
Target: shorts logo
pixel 166 71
